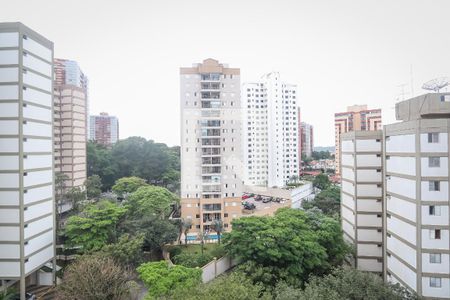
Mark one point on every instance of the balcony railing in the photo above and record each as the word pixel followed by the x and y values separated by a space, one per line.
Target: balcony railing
pixel 210 142
pixel 212 207
pixel 211 104
pixel 210 123
pixel 211 132
pixel 210 95
pixel 211 170
pixel 210 77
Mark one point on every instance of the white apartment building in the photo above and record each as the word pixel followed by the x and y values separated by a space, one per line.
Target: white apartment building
pixel 307 139
pixel 417 196
pixel 26 155
pixel 361 197
pixel 270 131
pixel 211 166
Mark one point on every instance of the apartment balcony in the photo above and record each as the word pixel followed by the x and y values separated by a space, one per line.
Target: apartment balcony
pixel 211 161
pixel 210 123
pixel 210 77
pixel 212 207
pixel 210 95
pixel 210 113
pixel 207 86
pixel 211 170
pixel 211 188
pixel 211 152
pixel 206 141
pixel 210 132
pixel 211 104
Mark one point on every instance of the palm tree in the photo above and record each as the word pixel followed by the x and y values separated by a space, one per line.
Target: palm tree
pixel 186 225
pixel 217 225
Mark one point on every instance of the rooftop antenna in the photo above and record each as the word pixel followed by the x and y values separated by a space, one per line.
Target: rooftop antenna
pixel 401 96
pixel 436 84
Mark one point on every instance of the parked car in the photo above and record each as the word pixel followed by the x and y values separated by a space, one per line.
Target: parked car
pixel 278 200
pixel 258 198
pixel 245 196
pixel 249 206
pixel 267 199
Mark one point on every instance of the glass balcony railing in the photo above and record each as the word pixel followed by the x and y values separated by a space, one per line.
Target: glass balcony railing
pixel 211 104
pixel 210 151
pixel 210 76
pixel 212 207
pixel 210 123
pixel 211 132
pixel 211 170
pixel 210 95
pixel 210 142
pixel 211 161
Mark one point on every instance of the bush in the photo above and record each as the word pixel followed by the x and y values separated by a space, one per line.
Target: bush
pixel 192 260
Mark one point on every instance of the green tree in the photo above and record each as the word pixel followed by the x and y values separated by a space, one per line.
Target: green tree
pixel 127 250
pixel 161 279
pixel 95 226
pixel 321 181
pixel 100 162
pixel 328 201
pixel 192 260
pixel 93 186
pixel 348 283
pixel 234 286
pixel 75 196
pixel 60 193
pixel 289 246
pixel 151 200
pixel 128 185
pixel 316 155
pixel 217 226
pixel 94 277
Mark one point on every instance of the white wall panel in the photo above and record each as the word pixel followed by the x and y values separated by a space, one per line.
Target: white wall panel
pixel 9 110
pixel 37 145
pixel 9 268
pixel 402 250
pixel 9 92
pixel 9 198
pixel 37 49
pixel 441 146
pixel 38 210
pixel 348 215
pixel 369 205
pixel 38 97
pixel 38 65
pixel 9 251
pixel 9 233
pixel 9 145
pixel 348 160
pixel 8 127
pixel 428 267
pixel 441 171
pixel 9 215
pixel 369 190
pixel 402 229
pixel 39 177
pixel 38 81
pixel 37 129
pixel 347 227
pixel 39 258
pixel 38 194
pixel 348 187
pixel 368 145
pixel 9 39
pixel 9 74
pixel 401 143
pixel 371 265
pixel 369 250
pixel 402 208
pixel 8 181
pixel 402 271
pixel 368 175
pixel 37 161
pixel 8 57
pixel 369 220
pixel 9 162
pixel 369 235
pixel 38 226
pixel 401 186
pixel 441 195
pixel 442 292
pixel 348 173
pixel 347 146
pixel 401 165
pixel 37 113
pixel 348 201
pixel 429 243
pixel 39 242
pixel 368 160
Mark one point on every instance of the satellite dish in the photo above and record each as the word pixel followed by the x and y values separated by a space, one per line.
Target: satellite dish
pixel 436 84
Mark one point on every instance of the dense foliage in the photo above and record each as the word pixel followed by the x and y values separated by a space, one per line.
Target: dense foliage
pixel 128 185
pixel 151 200
pixel 192 260
pixel 289 246
pixel 154 162
pixel 160 278
pixel 316 155
pixel 328 201
pixel 321 181
pixel 93 186
pixel 126 251
pixel 95 226
pixel 94 277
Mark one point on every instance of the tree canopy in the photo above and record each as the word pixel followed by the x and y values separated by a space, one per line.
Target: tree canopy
pixel 289 246
pixel 93 186
pixel 128 185
pixel 328 201
pixel 151 200
pixel 161 279
pixel 156 163
pixel 321 181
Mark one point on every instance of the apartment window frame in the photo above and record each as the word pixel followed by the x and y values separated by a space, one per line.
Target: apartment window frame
pixel 435 258
pixel 433 137
pixel 434 186
pixel 435 282
pixel 434 210
pixel 434 162
pixel 435 234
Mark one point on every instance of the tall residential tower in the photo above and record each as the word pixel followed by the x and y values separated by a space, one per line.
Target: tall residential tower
pixel 211 166
pixel 104 129
pixel 27 210
pixel 270 131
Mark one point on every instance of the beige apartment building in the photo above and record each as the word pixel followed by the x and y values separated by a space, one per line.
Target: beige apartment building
pixel 70 121
pixel 211 166
pixel 356 118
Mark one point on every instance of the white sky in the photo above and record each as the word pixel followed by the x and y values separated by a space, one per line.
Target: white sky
pixel 339 52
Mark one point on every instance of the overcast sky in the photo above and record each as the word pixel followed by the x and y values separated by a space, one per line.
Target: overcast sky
pixel 339 52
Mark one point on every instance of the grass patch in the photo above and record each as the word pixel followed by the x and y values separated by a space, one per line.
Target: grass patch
pixel 210 249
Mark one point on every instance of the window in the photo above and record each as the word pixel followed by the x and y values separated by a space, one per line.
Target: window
pixel 197 216
pixel 435 282
pixel 445 98
pixel 225 215
pixel 435 234
pixel 433 137
pixel 434 210
pixel 434 162
pixel 435 258
pixel 434 186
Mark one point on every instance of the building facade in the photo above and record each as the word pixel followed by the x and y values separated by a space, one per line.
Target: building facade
pixel 104 129
pixel 27 212
pixel 70 121
pixel 417 196
pixel 270 131
pixel 307 139
pixel 211 166
pixel 361 195
pixel 356 118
